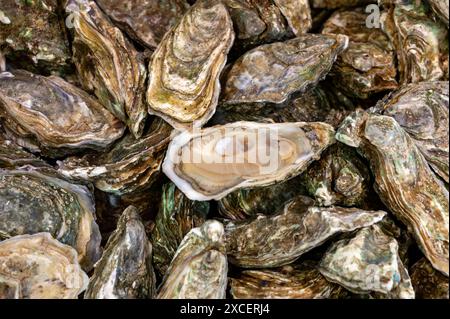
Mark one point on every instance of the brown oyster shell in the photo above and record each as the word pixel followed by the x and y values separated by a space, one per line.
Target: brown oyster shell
pixel 297 14
pixel 441 8
pixel 334 4
pixel 428 283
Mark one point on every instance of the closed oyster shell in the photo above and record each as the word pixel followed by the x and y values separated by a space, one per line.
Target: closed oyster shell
pixel 428 283
pixel 403 180
pixel 12 156
pixel 271 73
pixel 297 14
pixel 39 267
pixel 125 270
pixel 108 64
pixel 54 115
pixel 176 217
pixel 211 163
pixel 199 268
pixel 272 241
pixel 31 202
pixel 143 20
pixel 367 262
pixel 185 68
pixel 441 8
pixel 334 4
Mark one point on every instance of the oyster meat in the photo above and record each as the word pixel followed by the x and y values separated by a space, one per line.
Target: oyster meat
pixel 428 283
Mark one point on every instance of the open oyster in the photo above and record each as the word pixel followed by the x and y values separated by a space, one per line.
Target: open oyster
pixel 211 163
pixel 176 217
pixel 125 270
pixel 184 73
pixel 271 241
pixel 199 268
pixel 39 267
pixel 143 20
pixel 31 202
pixel 272 72
pixel 403 180
pixel 108 64
pixel 49 115
pixel 428 283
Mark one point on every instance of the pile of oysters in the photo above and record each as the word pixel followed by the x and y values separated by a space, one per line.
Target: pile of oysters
pixel 224 149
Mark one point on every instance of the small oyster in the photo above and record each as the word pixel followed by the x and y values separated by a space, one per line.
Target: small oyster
pixel 199 268
pixel 428 283
pixel 367 262
pixel 334 4
pixel 211 163
pixel 403 180
pixel 272 72
pixel 125 270
pixel 271 241
pixel 441 8
pixel 143 20
pixel 176 217
pixel 184 73
pixel 130 166
pixel 31 202
pixel 39 267
pixel 108 64
pixel 297 14
pixel 54 115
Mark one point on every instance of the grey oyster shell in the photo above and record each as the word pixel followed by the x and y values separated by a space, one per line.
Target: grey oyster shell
pixel 199 268
pixel 184 84
pixel 403 180
pixel 31 202
pixel 39 267
pixel 367 262
pixel 272 241
pixel 12 156
pixel 211 163
pixel 108 64
pixel 428 283
pixel 176 217
pixel 49 115
pixel 125 270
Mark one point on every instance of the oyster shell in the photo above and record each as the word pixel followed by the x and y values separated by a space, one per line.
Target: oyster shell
pixel 54 115
pixel 441 8
pixel 13 156
pixel 143 20
pixel 403 180
pixel 107 64
pixel 39 267
pixel 297 14
pixel 211 163
pixel 334 4
pixel 367 262
pixel 31 202
pixel 184 73
pixel 428 283
pixel 125 270
pixel 272 241
pixel 176 217
pixel 199 268
pixel 271 73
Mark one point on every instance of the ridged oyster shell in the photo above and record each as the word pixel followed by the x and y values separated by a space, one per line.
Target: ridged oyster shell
pixel 334 4
pixel 428 283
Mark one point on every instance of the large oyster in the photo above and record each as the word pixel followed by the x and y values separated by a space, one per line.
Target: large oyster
pixel 428 283
pixel 271 241
pixel 125 270
pixel 145 21
pixel 176 217
pixel 211 163
pixel 108 64
pixel 130 166
pixel 50 115
pixel 403 180
pixel 39 267
pixel 31 202
pixel 199 268
pixel 272 72
pixel 184 73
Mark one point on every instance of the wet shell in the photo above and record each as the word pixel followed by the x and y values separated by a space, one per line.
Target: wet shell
pixel 428 283
pixel 39 267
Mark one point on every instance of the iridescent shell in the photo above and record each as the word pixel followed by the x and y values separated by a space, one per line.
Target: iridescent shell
pixel 428 283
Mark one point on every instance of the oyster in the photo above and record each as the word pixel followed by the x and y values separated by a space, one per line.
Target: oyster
pixel 334 4
pixel 199 268
pixel 271 73
pixel 367 262
pixel 403 180
pixel 272 241
pixel 143 20
pixel 13 156
pixel 108 64
pixel 184 73
pixel 31 202
pixel 441 8
pixel 125 270
pixel 130 166
pixel 39 267
pixel 427 282
pixel 211 163
pixel 297 14
pixel 50 115
pixel 176 217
